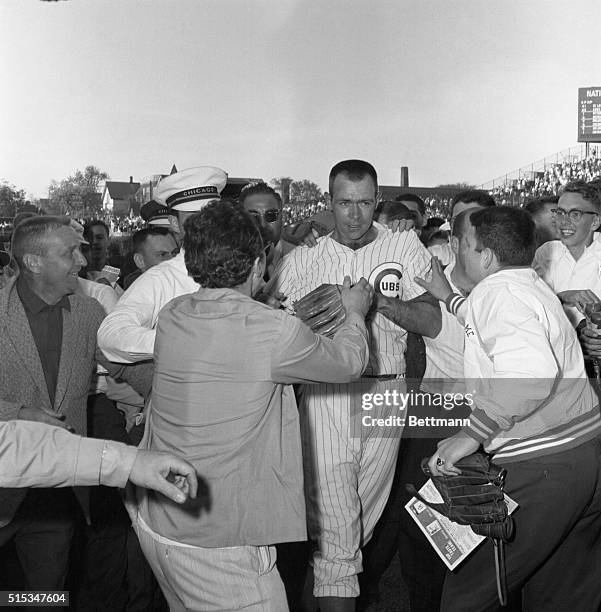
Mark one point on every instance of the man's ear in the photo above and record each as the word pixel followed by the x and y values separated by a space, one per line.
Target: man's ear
pixel 454 241
pixel 139 261
pixel 489 259
pixel 259 267
pixel 174 223
pixel 33 263
pixel 596 222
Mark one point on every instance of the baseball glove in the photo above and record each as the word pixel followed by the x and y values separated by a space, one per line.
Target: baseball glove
pixel 474 497
pixel 322 309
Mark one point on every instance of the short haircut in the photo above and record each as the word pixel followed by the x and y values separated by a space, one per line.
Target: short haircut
pixel 88 225
pixel 507 231
pixel 482 198
pixel 140 237
pixel 536 205
pixel 354 169
pixel 434 222
pixel 460 223
pixel 258 187
pixel 439 235
pixel 411 197
pixel 31 234
pixel 393 209
pixel 586 190
pixel 221 244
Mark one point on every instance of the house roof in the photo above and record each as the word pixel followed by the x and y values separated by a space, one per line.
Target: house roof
pixel 121 190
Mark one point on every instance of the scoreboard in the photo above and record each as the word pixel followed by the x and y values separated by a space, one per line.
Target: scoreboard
pixel 589 114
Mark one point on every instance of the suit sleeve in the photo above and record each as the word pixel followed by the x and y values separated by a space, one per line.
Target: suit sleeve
pixel 302 356
pixel 38 455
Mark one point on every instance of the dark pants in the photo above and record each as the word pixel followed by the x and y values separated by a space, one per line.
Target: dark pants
pixel 116 574
pixel 555 556
pixel 42 530
pixel 422 570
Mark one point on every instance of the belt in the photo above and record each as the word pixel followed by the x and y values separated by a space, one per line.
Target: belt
pixel 384 376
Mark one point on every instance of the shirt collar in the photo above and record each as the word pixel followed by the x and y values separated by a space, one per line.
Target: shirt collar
pixel 35 304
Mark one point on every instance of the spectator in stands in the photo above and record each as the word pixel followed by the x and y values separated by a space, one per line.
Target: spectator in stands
pixel 469 199
pixel 151 246
pixel 416 204
pixel 542 212
pixel 571 265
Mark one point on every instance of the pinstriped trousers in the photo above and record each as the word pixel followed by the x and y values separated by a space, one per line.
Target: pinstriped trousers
pixel 348 470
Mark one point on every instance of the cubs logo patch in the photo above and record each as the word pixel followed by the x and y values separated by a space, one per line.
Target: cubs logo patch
pixel 386 279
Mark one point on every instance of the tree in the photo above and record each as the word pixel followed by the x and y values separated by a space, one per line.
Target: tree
pixel 282 186
pixel 11 199
pixel 77 195
pixel 305 192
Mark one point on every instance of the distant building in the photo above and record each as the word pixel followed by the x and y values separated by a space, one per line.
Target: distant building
pixel 119 197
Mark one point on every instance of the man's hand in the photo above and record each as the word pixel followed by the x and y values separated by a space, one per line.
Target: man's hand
pixel 438 285
pixel 590 341
pixel 401 225
pixel 38 415
pixel 165 473
pixel 358 298
pixel 449 452
pixel 275 300
pixel 310 239
pixel 578 298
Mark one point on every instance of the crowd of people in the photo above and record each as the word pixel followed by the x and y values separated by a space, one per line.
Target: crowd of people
pixel 269 460
pixel 550 180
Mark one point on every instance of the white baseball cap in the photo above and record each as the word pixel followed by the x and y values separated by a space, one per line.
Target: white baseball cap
pixel 191 189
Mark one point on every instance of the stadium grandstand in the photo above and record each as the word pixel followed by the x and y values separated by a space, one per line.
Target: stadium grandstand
pixel 546 176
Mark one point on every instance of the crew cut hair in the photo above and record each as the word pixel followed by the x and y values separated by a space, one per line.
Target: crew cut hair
pixel 355 170
pixel 140 237
pixel 507 231
pixel 30 235
pixel 477 196
pixel 258 187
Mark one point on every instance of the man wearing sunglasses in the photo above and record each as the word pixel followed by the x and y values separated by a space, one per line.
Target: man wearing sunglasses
pixel 571 266
pixel 264 205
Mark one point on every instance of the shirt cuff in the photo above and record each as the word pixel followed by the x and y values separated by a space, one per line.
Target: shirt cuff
pixel 454 302
pixel 354 319
pixel 481 427
pixel 116 463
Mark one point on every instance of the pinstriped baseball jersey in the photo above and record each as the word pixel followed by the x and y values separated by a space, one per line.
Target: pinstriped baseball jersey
pixel 389 263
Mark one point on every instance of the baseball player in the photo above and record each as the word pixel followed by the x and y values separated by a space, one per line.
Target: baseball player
pixel 349 467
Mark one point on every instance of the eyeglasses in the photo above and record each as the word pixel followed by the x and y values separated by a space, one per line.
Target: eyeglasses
pixel 270 216
pixel 575 214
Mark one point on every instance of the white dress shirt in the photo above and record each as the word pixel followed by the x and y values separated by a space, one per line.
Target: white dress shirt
pixel 556 265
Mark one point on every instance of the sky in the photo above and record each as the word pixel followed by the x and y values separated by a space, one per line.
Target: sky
pixel 458 91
